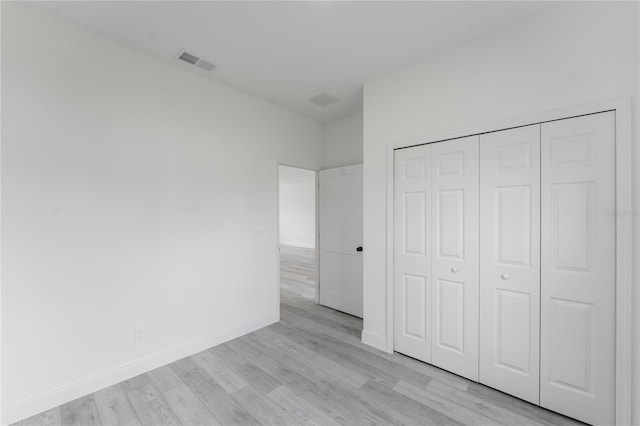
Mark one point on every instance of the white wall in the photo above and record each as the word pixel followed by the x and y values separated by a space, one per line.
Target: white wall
pixel 297 207
pixel 574 54
pixel 342 144
pixel 135 195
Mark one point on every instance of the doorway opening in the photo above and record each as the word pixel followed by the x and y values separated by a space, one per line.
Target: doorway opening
pixel 298 242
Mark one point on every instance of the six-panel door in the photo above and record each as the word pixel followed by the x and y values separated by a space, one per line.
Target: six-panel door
pixel 412 252
pixel 510 261
pixel 577 375
pixel 454 206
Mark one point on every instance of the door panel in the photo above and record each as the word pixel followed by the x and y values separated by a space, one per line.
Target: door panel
pixel 455 261
pixel 414 209
pixel 513 225
pixel 573 235
pixel 450 315
pixel 340 235
pixel 513 324
pixel 412 252
pixel 413 302
pixel 450 224
pixel 510 261
pixel 570 365
pixel 577 375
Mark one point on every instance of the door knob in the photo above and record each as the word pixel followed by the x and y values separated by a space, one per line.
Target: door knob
pixel 359 248
pixel 505 276
pixel 454 269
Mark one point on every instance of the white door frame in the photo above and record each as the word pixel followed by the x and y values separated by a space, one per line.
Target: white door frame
pixel 624 227
pixel 316 212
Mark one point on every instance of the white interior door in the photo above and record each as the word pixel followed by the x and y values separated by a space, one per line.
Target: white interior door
pixel 455 234
pixel 412 252
pixel 578 268
pixel 340 241
pixel 510 261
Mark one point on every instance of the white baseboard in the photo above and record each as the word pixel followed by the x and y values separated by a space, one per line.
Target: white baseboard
pixel 375 340
pixel 63 394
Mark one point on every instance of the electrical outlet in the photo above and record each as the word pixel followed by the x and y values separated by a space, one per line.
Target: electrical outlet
pixel 137 335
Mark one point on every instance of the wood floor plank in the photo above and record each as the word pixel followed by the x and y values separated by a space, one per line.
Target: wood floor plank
pixel 212 395
pixel 350 376
pixel 151 407
pixel 420 413
pixel 263 409
pixel 288 317
pixel 114 407
pixel 304 411
pixel 46 418
pixel 535 413
pixel 164 378
pixel 442 405
pixel 136 382
pixel 248 371
pixel 80 412
pixel 188 407
pixel 305 366
pixel 499 414
pixel 349 329
pixel 215 367
pixel 350 324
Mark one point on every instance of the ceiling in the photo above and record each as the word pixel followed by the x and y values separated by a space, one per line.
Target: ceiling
pixel 288 52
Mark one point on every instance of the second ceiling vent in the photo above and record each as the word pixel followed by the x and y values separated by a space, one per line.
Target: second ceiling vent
pixel 185 56
pixel 323 99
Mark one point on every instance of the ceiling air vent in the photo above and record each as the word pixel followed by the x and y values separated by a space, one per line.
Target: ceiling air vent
pixel 323 99
pixel 194 60
pixel 208 66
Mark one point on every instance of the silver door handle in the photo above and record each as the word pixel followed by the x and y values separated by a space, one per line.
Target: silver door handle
pixel 505 276
pixel 454 269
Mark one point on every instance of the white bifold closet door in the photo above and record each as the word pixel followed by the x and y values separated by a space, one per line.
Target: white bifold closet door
pixel 436 254
pixel 510 261
pixel 454 308
pixel 577 376
pixel 412 252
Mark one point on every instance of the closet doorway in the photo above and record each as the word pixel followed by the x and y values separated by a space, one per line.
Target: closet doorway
pixel 507 264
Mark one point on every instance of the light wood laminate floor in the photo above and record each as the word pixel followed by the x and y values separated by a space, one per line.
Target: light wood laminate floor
pixel 308 369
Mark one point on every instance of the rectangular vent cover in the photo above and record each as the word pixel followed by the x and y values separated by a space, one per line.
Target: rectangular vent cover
pixel 187 57
pixel 205 65
pixel 194 60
